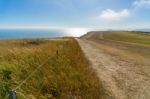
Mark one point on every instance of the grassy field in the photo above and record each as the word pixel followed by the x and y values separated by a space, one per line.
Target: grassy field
pixel 131 37
pixel 64 72
pixel 132 42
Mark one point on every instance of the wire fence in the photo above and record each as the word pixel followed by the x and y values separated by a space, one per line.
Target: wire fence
pixel 12 92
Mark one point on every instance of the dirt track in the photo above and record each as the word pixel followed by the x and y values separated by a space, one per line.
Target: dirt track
pixel 121 79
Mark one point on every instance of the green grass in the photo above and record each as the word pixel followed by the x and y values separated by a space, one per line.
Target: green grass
pixel 65 75
pixel 131 37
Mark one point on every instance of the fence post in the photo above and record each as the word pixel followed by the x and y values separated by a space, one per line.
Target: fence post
pixel 12 94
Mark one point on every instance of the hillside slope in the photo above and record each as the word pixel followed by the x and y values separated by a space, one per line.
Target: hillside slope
pixel 122 65
pixel 46 69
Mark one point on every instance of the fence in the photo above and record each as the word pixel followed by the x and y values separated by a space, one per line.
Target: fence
pixel 12 94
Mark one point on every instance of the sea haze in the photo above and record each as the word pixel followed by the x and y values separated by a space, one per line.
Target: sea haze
pixel 14 33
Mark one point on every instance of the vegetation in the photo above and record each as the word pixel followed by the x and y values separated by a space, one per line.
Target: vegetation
pixel 131 37
pixel 132 42
pixel 62 72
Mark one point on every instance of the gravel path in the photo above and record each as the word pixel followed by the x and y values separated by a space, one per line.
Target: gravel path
pixel 121 79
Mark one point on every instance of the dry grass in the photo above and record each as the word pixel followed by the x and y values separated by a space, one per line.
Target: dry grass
pixel 65 75
pixel 131 37
pixel 134 42
pixel 124 44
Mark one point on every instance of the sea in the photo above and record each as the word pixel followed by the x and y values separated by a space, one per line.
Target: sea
pixel 20 34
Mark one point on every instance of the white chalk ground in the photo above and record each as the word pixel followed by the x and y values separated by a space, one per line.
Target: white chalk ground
pixel 121 79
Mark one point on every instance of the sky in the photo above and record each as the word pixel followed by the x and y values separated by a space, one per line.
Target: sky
pixel 75 14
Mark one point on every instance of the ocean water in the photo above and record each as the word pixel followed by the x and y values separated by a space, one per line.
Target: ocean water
pixel 14 34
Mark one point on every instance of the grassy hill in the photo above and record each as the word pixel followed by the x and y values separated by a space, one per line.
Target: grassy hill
pixel 133 42
pixel 132 37
pixel 123 36
pixel 62 72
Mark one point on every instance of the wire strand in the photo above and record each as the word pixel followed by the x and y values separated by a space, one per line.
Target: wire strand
pixel 28 76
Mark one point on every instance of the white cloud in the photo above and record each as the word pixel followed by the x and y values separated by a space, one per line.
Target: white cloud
pixel 112 15
pixel 139 3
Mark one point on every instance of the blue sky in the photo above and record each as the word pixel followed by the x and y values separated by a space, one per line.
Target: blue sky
pixel 95 14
